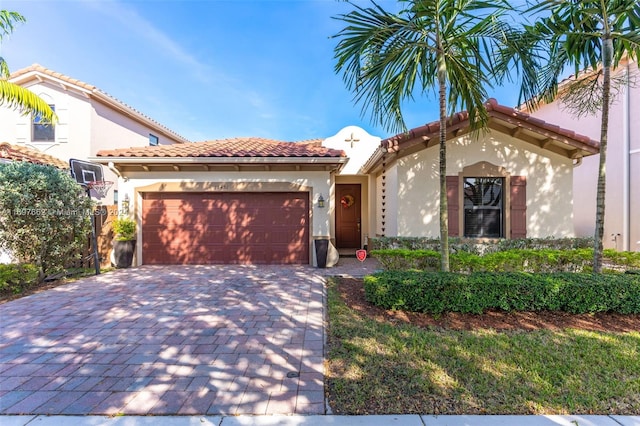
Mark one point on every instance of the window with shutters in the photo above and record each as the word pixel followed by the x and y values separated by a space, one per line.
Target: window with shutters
pixel 486 201
pixel 483 204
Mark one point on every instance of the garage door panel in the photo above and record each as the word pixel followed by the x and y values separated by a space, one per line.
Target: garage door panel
pixel 216 228
pixel 286 236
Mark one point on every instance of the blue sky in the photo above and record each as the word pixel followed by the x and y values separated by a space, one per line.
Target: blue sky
pixel 207 69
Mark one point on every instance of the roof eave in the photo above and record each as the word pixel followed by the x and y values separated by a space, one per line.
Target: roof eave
pixel 219 160
pixel 373 161
pixel 39 77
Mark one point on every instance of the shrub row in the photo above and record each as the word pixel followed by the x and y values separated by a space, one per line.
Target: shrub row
pixel 438 292
pixel 14 278
pixel 513 260
pixel 470 245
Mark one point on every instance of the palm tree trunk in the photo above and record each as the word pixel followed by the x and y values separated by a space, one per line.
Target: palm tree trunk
pixel 607 52
pixel 444 208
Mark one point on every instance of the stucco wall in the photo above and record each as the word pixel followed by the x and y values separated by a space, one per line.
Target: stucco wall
pixel 71 133
pixel 315 182
pixel 357 144
pixel 623 123
pixel 549 184
pixel 390 214
pixel 85 127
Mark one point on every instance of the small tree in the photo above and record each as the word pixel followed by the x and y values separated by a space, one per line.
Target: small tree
pixel 44 215
pixel 445 46
pixel 592 34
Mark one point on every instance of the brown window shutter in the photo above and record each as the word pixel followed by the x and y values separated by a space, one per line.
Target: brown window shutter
pixel 453 206
pixel 518 206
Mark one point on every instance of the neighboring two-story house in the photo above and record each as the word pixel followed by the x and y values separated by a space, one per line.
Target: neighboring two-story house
pixel 90 120
pixel 622 202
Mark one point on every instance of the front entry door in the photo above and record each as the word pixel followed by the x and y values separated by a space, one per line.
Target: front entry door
pixel 348 221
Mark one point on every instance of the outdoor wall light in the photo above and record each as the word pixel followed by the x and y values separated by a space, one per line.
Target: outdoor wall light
pixel 125 204
pixel 321 201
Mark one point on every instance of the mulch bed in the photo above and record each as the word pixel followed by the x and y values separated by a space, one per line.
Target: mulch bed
pixel 352 292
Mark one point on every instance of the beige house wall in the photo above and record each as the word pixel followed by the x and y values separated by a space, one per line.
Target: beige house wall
pixel 414 181
pixel 315 183
pixel 622 203
pixel 85 127
pixel 390 207
pixel 71 133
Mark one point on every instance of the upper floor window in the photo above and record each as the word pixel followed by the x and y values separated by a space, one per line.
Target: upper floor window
pixel 483 207
pixel 43 131
pixel 153 140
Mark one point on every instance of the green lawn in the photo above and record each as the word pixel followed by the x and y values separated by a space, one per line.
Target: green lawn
pixel 383 368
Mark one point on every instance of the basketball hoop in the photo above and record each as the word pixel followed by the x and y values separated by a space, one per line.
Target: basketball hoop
pixel 100 186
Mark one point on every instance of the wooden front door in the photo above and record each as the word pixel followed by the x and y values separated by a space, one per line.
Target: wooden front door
pixel 348 220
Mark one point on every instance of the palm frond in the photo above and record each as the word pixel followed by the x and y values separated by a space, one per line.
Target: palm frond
pixel 24 100
pixel 8 20
pixel 386 59
pixel 4 69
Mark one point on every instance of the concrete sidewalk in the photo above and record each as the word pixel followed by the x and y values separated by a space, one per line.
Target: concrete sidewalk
pixel 282 420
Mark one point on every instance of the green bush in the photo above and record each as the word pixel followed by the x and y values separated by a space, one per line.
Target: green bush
pixel 525 260
pixel 45 216
pixel 14 278
pixel 472 245
pixel 512 260
pixel 404 259
pixel 628 259
pixel 124 229
pixel 438 292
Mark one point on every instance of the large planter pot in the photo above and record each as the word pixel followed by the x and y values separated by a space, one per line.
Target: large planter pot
pixel 123 252
pixel 322 247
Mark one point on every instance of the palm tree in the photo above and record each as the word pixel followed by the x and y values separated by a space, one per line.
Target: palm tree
pixel 11 94
pixel 592 34
pixel 440 45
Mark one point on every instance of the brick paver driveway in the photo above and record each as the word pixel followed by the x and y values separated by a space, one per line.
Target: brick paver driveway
pixel 168 340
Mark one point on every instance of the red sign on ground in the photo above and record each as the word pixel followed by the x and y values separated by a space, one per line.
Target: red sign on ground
pixel 361 255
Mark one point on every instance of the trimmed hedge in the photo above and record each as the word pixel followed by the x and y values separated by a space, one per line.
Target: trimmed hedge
pixel 14 278
pixel 513 260
pixel 438 292
pixel 404 259
pixel 628 259
pixel 473 245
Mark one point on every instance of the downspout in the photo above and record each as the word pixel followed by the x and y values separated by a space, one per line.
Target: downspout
pixel 626 166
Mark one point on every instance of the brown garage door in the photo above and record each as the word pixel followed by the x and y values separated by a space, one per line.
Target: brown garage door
pixel 222 228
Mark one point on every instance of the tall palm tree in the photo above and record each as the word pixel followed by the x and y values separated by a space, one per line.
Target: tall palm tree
pixel 11 94
pixel 444 46
pixel 591 34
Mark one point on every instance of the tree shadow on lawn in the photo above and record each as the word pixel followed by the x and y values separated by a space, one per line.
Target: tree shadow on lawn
pixel 388 363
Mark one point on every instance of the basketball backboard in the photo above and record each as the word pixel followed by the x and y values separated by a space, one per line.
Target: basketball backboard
pixel 85 171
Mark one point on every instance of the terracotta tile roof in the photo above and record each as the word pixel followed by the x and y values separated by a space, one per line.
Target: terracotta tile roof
pixel 236 147
pixel 39 68
pixel 497 111
pixel 22 153
pixel 105 97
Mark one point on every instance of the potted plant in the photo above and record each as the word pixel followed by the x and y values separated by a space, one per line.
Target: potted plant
pixel 124 243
